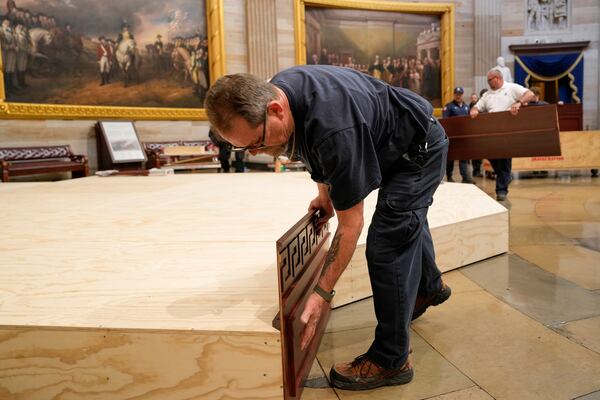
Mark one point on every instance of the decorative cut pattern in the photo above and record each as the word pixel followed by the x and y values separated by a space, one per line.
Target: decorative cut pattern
pixel 296 253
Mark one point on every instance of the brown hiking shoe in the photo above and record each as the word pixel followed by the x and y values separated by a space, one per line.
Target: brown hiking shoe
pixel 364 374
pixel 422 302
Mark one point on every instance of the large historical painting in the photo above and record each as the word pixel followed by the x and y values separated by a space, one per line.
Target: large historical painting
pixel 404 48
pixel 110 53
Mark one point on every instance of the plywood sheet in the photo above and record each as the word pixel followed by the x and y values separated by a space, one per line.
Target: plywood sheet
pixel 174 252
pixel 580 149
pixel 42 364
pixel 166 287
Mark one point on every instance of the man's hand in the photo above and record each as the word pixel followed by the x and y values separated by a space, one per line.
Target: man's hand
pixel 514 109
pixel 323 204
pixel 313 309
pixel 340 252
pixel 474 112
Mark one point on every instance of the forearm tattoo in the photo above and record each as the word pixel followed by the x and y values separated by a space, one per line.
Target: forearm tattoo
pixel 333 252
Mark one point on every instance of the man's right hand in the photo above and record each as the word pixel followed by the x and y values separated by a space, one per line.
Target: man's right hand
pixel 474 112
pixel 324 205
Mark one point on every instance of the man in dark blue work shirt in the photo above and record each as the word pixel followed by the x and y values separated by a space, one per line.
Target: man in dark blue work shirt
pixel 355 134
pixel 457 108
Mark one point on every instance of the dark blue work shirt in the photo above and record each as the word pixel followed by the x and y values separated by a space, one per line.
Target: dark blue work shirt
pixel 350 128
pixel 454 109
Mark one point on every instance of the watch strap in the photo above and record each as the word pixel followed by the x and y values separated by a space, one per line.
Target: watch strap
pixel 327 296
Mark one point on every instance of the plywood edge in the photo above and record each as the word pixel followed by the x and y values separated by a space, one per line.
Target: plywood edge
pixel 454 247
pixel 504 211
pixel 39 364
pixel 269 331
pixel 462 244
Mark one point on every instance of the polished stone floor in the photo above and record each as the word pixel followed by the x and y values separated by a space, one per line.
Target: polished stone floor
pixel 524 325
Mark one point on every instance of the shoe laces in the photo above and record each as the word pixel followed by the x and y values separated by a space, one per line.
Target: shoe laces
pixel 363 364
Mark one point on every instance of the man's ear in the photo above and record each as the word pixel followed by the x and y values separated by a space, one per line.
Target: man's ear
pixel 275 107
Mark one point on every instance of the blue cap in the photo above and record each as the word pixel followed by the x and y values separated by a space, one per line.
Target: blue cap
pixel 458 89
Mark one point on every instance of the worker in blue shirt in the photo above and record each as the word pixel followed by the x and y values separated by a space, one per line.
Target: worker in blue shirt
pixel 355 134
pixel 456 108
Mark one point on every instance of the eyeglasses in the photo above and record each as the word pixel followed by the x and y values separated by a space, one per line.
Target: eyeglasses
pixel 262 144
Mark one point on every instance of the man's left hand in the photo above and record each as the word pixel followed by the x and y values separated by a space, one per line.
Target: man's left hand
pixel 324 205
pixel 313 309
pixel 514 109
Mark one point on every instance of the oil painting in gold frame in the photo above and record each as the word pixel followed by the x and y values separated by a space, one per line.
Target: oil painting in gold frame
pixel 388 40
pixel 114 59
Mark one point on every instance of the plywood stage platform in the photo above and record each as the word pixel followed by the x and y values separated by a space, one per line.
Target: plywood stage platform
pixel 166 287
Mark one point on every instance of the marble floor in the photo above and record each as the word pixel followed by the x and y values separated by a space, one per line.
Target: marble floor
pixel 523 325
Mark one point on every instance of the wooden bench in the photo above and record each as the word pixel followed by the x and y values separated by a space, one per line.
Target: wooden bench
pixel 19 161
pixel 181 153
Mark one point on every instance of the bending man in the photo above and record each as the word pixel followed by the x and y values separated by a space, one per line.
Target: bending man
pixel 355 134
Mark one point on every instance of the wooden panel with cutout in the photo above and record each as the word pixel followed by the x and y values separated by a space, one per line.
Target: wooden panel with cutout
pixel 301 253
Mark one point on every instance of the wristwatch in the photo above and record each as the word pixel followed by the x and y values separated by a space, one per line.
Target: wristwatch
pixel 327 296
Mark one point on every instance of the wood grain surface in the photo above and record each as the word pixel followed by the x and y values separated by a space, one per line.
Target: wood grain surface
pixel 166 287
pixel 174 252
pixel 44 364
pixel 579 149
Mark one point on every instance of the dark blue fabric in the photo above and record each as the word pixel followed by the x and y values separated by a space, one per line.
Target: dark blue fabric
pixel 352 129
pixel 463 167
pixel 551 65
pixel 454 109
pixel 503 170
pixel 400 253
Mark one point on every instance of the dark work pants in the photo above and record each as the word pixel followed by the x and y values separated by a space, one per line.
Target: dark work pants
pixel 239 164
pixel 476 166
pixel 463 167
pixel 224 155
pixel 400 253
pixel 502 169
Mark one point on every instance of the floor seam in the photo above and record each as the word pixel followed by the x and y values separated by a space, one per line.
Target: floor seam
pixel 587 394
pixel 453 391
pixel 454 365
pixel 573 339
pixel 327 378
pixel 548 327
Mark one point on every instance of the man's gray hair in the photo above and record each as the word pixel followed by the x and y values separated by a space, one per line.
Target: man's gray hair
pixel 496 72
pixel 241 95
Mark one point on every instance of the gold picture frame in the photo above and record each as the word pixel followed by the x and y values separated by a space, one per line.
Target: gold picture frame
pixel 444 10
pixel 216 61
